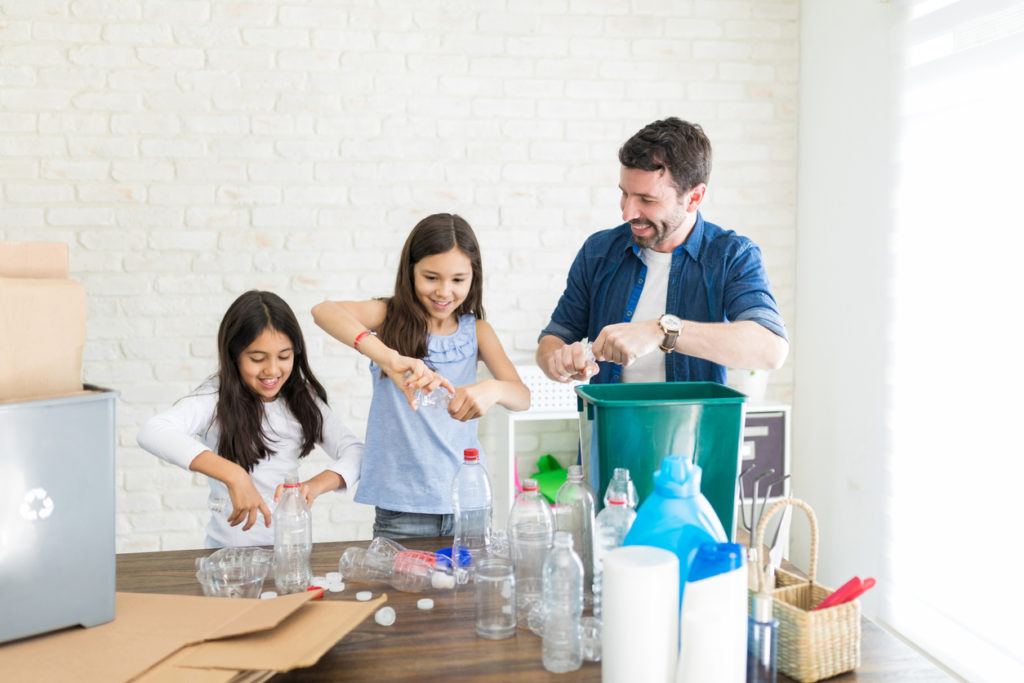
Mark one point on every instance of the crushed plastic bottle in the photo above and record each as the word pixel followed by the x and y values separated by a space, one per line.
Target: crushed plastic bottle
pixel 410 571
pixel 590 638
pixel 438 398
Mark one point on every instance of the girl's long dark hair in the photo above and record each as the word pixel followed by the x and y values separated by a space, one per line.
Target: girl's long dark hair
pixel 405 326
pixel 239 409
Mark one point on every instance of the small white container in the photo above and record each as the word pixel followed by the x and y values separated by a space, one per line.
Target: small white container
pixel 713 620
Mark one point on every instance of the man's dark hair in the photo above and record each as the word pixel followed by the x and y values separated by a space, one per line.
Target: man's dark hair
pixel 678 146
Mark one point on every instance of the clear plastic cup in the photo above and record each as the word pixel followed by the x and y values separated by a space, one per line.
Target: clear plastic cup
pixel 495 599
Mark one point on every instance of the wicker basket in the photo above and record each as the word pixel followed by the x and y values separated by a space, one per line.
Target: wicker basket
pixel 812 645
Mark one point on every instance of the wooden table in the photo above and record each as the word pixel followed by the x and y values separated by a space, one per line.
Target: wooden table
pixel 441 644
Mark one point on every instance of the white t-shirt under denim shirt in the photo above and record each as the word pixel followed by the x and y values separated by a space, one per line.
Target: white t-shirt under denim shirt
pixel 182 432
pixel 651 305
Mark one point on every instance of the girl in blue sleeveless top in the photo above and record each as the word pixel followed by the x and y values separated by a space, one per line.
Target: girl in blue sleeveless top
pixel 428 336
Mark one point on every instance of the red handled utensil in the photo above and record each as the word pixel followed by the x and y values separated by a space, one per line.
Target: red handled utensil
pixel 851 590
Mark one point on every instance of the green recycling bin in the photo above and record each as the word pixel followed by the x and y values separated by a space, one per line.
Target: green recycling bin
pixel 636 425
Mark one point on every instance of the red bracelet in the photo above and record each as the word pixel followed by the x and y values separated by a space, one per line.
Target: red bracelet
pixel 360 336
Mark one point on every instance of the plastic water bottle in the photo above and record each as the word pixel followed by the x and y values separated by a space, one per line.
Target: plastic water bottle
pixel 676 516
pixel 574 506
pixel 471 505
pixel 410 571
pixel 531 532
pixel 610 529
pixel 713 624
pixel 293 540
pixel 623 483
pixel 563 600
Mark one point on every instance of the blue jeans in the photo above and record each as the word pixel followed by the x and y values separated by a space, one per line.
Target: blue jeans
pixel 392 524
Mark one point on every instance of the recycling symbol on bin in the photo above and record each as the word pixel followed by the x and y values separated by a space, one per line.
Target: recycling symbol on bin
pixel 37 505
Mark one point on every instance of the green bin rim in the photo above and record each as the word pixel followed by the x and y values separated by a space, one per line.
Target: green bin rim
pixel 661 393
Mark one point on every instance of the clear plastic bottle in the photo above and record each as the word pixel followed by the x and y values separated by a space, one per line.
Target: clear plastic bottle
pixel 622 482
pixel 471 507
pixel 610 529
pixel 410 571
pixel 574 512
pixel 293 540
pixel 531 532
pixel 562 648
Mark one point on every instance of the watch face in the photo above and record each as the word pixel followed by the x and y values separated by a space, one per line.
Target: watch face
pixel 670 323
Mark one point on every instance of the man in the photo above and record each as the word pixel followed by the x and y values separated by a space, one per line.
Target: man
pixel 666 296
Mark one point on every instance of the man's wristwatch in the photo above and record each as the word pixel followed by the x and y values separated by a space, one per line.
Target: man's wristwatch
pixel 671 325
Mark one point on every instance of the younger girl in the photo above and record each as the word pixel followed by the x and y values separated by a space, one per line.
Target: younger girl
pixel 247 426
pixel 428 336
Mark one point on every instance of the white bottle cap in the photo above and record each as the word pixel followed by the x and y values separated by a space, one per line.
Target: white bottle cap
pixel 442 580
pixel 363 596
pixel 425 603
pixel 385 616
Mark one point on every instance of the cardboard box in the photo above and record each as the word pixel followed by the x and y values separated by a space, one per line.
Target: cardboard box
pixel 158 638
pixel 42 322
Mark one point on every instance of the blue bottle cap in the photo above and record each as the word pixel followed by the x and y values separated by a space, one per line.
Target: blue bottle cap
pixel 446 554
pixel 679 477
pixel 713 559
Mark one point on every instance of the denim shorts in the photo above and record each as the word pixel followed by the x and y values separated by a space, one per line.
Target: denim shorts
pixel 392 524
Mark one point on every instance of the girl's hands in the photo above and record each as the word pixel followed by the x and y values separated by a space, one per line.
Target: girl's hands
pixel 411 374
pixel 328 480
pixel 473 400
pixel 246 502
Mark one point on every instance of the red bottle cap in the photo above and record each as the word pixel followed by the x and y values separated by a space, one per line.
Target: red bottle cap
pixel 470 454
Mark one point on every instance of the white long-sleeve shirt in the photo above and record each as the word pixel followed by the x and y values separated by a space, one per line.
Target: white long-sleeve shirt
pixel 182 432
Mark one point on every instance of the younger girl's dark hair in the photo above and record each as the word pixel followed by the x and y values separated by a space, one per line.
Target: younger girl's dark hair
pixel 405 326
pixel 239 409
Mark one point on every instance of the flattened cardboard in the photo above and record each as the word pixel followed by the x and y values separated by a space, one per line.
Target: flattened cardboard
pixel 299 641
pixel 42 322
pixel 149 638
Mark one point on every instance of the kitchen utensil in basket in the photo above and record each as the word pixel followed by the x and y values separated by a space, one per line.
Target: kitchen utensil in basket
pixel 815 644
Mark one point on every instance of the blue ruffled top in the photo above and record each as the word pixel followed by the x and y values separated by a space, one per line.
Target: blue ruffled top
pixel 410 456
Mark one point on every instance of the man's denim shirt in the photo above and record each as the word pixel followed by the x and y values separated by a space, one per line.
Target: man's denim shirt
pixel 715 276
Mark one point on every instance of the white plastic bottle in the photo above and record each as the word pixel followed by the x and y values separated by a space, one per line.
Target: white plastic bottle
pixel 471 507
pixel 574 512
pixel 293 540
pixel 713 621
pixel 531 533
pixel 623 483
pixel 562 648
pixel 610 528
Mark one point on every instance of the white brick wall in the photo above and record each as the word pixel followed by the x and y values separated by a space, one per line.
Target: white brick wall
pixel 188 150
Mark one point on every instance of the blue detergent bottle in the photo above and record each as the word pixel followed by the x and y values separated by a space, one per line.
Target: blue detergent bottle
pixel 676 516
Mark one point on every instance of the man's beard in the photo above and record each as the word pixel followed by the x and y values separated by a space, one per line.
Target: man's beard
pixel 661 233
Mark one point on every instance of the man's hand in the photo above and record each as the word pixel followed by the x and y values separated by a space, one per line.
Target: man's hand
pixel 623 343
pixel 565 362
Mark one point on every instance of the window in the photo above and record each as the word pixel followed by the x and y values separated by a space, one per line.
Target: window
pixel 957 379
